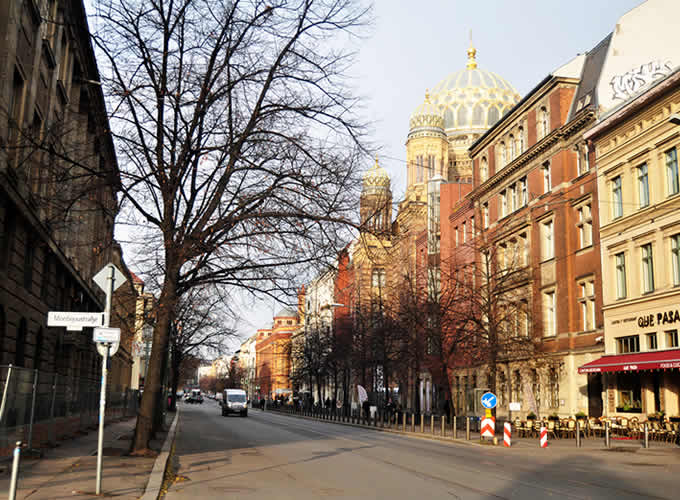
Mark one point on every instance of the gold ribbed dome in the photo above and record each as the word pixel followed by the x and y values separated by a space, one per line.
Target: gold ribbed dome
pixel 427 116
pixel 472 99
pixel 376 177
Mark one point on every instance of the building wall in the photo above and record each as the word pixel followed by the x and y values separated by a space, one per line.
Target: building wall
pixel 640 133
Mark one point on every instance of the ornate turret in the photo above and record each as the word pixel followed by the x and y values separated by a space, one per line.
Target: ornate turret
pixel 376 200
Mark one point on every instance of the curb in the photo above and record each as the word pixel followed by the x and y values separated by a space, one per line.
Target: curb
pixel 155 483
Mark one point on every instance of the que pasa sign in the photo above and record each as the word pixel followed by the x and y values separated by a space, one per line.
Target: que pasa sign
pixel 660 319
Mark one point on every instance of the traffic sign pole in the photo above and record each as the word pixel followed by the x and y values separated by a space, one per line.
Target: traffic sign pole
pixel 105 358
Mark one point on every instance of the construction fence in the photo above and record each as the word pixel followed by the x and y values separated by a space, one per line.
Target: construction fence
pixel 39 408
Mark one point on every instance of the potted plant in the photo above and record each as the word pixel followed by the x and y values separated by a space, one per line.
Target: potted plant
pixel 580 415
pixel 656 417
pixel 675 418
pixel 554 416
pixel 531 416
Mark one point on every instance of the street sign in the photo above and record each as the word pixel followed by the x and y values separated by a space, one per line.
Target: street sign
pixel 102 277
pixel 74 320
pixel 488 428
pixel 102 334
pixel 489 400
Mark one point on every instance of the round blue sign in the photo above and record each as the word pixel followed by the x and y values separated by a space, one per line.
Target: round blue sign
pixel 489 400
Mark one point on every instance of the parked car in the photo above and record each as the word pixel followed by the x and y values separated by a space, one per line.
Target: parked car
pixel 234 401
pixel 195 397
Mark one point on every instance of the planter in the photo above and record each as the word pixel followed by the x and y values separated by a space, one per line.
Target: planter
pixel 674 419
pixel 630 410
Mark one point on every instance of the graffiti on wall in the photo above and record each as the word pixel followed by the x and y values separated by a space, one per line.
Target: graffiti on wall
pixel 627 84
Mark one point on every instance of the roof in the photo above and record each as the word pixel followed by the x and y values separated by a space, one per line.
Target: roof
pixel 136 278
pixel 286 312
pixel 634 362
pixel 586 93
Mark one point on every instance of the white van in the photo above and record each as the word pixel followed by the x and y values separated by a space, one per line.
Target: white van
pixel 234 401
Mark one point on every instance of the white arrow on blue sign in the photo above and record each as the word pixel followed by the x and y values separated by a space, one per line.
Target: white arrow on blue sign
pixel 489 400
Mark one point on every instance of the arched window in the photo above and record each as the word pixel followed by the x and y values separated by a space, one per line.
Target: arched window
pixel 484 169
pixel 520 139
pixel 20 349
pixel 545 126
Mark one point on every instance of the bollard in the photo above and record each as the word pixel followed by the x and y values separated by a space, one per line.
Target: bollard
pixel 403 422
pixel 413 422
pixel 507 434
pixel 544 437
pixel 15 472
pixel 455 427
pixel 578 434
pixel 443 425
pixel 422 423
pixel 432 424
pixel 467 428
pixel 606 434
pixel 646 445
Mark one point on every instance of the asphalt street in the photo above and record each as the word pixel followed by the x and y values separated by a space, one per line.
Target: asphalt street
pixel 273 456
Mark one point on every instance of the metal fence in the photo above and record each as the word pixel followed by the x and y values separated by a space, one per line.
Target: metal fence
pixel 38 408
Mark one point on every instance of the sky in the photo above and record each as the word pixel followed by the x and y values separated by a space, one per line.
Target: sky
pixel 413 45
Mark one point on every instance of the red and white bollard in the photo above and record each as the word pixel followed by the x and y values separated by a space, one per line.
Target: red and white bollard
pixel 507 432
pixel 544 437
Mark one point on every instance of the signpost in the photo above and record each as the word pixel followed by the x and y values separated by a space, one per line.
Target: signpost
pixel 489 402
pixel 109 278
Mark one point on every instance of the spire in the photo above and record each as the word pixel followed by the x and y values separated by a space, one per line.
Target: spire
pixel 471 53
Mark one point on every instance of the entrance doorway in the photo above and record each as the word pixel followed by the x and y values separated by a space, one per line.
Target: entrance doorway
pixel 594 395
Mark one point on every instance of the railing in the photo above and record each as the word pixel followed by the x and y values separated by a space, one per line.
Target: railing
pixel 39 408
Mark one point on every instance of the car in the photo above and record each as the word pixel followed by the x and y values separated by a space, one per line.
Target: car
pixel 234 401
pixel 195 397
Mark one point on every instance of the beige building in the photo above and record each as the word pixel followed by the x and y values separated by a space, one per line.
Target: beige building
pixel 637 146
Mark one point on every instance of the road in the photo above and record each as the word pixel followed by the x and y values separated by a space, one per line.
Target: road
pixel 273 456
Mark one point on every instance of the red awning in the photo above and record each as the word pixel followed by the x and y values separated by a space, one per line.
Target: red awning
pixel 633 362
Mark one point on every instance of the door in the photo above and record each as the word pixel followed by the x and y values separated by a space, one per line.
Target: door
pixel 594 395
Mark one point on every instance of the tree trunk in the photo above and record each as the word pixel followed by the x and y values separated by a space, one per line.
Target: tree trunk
pixel 152 383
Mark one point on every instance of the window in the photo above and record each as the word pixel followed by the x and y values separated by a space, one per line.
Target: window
pixel 419 168
pixel 524 249
pixel 504 154
pixel 647 269
pixel 620 275
pixel 617 197
pixel 675 258
pixel 513 194
pixel 520 138
pixel 484 170
pixel 585 226
pixel 504 203
pixel 430 166
pixel 513 148
pixel 378 279
pixel 672 338
pixel 548 246
pixel 547 180
pixel 15 106
pixel 643 185
pixel 672 172
pixel 550 322
pixel 455 232
pixel 464 232
pixel 628 344
pixel 524 200
pixel 652 341
pixel 485 215
pixel 543 117
pixel 472 226
pixel 587 304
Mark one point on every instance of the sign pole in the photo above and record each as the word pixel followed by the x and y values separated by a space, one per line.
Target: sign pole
pixel 102 396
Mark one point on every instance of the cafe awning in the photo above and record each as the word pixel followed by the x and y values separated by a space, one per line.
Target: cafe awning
pixel 634 362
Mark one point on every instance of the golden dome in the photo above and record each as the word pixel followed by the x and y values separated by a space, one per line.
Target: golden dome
pixel 472 99
pixel 376 177
pixel 426 117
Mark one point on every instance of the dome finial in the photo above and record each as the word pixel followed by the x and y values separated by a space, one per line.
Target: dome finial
pixel 471 53
pixel 427 95
pixel 376 160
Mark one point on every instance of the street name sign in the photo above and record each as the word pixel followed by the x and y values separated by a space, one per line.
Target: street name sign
pixel 102 334
pixel 75 320
pixel 489 400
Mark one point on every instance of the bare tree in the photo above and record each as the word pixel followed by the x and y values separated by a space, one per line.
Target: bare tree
pixel 202 326
pixel 237 142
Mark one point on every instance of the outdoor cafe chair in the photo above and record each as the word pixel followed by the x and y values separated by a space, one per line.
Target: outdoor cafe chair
pixel 552 429
pixel 571 428
pixel 671 432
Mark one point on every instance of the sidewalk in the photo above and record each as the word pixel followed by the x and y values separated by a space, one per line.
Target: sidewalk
pixel 70 469
pixel 591 445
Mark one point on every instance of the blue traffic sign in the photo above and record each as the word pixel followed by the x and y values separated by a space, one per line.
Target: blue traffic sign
pixel 489 400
